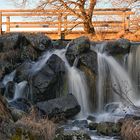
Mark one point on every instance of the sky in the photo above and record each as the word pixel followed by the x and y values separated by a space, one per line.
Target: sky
pixel 9 4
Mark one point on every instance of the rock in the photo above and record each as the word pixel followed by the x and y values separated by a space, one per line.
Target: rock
pixel 72 135
pixel 89 59
pixel 66 106
pixel 17 114
pixel 92 125
pixel 10 90
pixel 48 82
pixel 111 107
pixel 15 49
pixel 80 123
pixel 109 128
pixel 120 46
pixel 39 41
pixel 60 44
pixel 91 118
pixel 76 47
pixel 21 104
pixel 23 71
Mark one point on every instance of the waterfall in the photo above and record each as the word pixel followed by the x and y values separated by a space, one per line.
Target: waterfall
pixel 76 80
pixel 134 67
pixel 119 79
pixel 9 77
pixel 77 83
pixel 19 90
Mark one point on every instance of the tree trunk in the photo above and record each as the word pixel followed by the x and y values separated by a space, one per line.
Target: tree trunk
pixel 88 27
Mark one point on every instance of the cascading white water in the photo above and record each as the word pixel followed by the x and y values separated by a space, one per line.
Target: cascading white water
pixel 41 62
pixel 19 90
pixel 76 80
pixel 134 64
pixel 9 78
pixel 77 84
pixel 119 78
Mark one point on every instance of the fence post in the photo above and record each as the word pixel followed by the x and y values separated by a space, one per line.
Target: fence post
pixel 59 25
pixel 8 24
pixel 0 23
pixel 123 20
pixel 128 22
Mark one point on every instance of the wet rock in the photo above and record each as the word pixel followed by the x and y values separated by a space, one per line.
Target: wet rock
pixel 23 71
pixel 60 44
pixel 48 82
pixel 9 90
pixel 93 125
pixel 76 47
pixel 66 106
pixel 72 135
pixel 91 118
pixel 109 128
pixel 89 60
pixel 80 123
pixel 120 46
pixel 21 104
pixel 111 107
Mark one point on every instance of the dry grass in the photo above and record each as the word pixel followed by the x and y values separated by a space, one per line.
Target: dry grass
pixel 38 127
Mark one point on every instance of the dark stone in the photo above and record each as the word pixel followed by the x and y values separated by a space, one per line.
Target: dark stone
pixel 89 59
pixel 93 125
pixel 60 44
pixel 48 82
pixel 120 46
pixel 76 47
pixel 21 104
pixel 80 123
pixel 9 90
pixel 66 106
pixel 23 71
pixel 111 107
pixel 91 118
pixel 39 41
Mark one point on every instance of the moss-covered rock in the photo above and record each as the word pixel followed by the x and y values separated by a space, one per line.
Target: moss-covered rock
pixel 72 135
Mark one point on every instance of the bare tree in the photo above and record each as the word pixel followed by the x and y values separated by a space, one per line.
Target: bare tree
pixel 82 9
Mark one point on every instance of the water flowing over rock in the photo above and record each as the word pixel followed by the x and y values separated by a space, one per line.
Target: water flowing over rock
pixel 114 47
pixel 47 83
pixel 77 47
pixel 16 48
pixel 66 106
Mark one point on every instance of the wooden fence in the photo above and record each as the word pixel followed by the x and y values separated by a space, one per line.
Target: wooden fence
pixel 62 23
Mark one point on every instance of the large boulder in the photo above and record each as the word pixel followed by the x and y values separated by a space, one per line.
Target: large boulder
pixel 66 106
pixel 23 71
pixel 76 47
pixel 48 82
pixel 39 41
pixel 120 46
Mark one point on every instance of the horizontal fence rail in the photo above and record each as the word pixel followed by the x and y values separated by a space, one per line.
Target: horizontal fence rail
pixel 62 22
